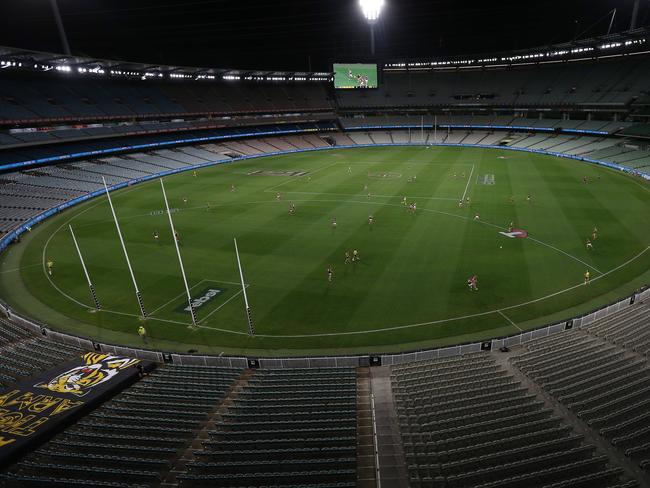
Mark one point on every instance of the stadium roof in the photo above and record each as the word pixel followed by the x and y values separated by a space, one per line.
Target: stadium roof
pixel 42 61
pixel 305 35
pixel 620 43
pixel 610 45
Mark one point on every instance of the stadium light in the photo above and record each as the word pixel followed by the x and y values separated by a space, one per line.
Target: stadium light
pixel 371 9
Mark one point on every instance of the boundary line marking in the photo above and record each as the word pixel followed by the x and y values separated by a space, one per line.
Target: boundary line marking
pixel 387 329
pixel 170 321
pixel 469 179
pixel 452 319
pixel 618 172
pixel 480 314
pixel 509 320
pixel 205 280
pixel 49 278
pixel 565 253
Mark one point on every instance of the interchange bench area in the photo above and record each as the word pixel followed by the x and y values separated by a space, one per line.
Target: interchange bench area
pixel 464 421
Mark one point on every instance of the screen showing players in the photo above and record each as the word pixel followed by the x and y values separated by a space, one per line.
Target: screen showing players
pixel 351 76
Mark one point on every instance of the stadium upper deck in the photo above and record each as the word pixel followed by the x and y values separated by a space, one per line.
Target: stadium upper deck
pixel 49 99
pixel 600 75
pixel 29 99
pixel 602 85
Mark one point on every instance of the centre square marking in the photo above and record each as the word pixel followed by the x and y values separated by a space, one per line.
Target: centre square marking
pixel 485 179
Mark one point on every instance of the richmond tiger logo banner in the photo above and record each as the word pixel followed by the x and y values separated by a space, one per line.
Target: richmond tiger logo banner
pixel 33 410
pixel 80 380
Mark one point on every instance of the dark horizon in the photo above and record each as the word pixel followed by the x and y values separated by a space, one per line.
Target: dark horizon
pixel 291 35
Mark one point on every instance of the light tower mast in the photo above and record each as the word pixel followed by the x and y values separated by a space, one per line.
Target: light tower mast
pixel 635 14
pixel 59 26
pixel 371 11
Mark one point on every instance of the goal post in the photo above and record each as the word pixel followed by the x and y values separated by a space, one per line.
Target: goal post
pixel 249 316
pixel 178 254
pixel 126 254
pixel 83 265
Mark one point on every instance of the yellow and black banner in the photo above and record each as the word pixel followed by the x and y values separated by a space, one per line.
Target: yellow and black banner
pixel 35 409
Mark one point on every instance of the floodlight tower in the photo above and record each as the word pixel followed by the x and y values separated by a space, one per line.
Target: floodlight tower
pixel 635 14
pixel 371 11
pixel 59 25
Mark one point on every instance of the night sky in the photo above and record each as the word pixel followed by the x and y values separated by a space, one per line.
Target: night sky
pixel 286 35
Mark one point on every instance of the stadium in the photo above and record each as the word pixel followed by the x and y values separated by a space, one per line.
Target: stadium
pixel 394 261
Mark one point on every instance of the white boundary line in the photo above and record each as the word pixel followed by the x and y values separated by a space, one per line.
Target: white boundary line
pixel 350 332
pixel 407 326
pixel 565 253
pixel 509 320
pixel 99 202
pixel 54 285
pixel 469 180
pixel 172 321
pixel 617 172
pixel 453 319
pixel 366 331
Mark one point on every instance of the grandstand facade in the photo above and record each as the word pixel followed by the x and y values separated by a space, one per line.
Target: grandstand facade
pixel 562 406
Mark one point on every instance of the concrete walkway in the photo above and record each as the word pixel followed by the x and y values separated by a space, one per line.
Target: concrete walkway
pixel 392 464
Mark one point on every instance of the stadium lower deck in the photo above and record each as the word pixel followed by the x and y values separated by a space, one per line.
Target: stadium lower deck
pixel 567 410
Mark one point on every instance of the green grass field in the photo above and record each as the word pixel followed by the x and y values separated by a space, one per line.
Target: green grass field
pixel 407 291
